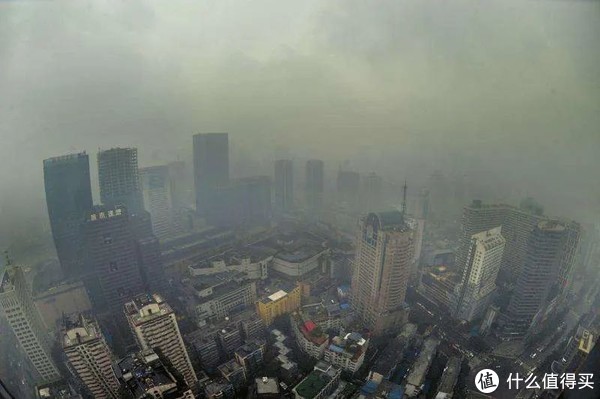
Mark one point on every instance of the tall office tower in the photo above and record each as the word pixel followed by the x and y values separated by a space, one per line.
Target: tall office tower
pixel 284 186
pixel 25 321
pixel 382 267
pixel 156 192
pixel 372 193
pixel 69 199
pixel 154 325
pixel 112 273
pixel 540 271
pixel 517 224
pixel 146 375
pixel 569 257
pixel 151 265
pixel 348 188
pixel 314 186
pixel 211 170
pixel 478 282
pixel 178 179
pixel 89 356
pixel 119 179
pixel 244 202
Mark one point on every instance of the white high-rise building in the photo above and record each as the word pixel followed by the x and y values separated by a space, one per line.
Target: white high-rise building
pixel 156 192
pixel 89 355
pixel 154 325
pixel 25 320
pixel 484 259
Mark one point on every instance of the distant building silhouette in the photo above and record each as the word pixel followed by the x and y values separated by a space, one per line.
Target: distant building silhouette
pixel 26 323
pixel 69 199
pixel 314 187
pixel 156 192
pixel 348 188
pixel 119 179
pixel 372 192
pixel 382 268
pixel 284 185
pixel 211 170
pixel 244 202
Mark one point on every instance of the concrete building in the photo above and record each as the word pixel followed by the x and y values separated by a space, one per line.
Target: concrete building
pixel 437 284
pixel 229 339
pixel 154 326
pixel 372 193
pixel 219 389
pixel 204 346
pixel 417 375
pixel 310 338
pixel 251 357
pixel 151 265
pixel 89 357
pixel 479 274
pixel 347 352
pixel 62 299
pixel 69 199
pixel 449 378
pixel 119 179
pixel 26 323
pixel 284 186
pixel 536 279
pixel 244 202
pixel 254 265
pixel 58 389
pixel 266 388
pixel 319 384
pixel 234 373
pixel 156 193
pixel 112 274
pixel 211 170
pixel 300 261
pixel 145 375
pixel 314 187
pixel 382 267
pixel 279 303
pixel 348 189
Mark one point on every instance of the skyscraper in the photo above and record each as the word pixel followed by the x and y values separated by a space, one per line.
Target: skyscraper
pixel 539 273
pixel 348 188
pixel 154 325
pixel 89 356
pixel 284 185
pixel 25 321
pixel 314 186
pixel 119 179
pixel 372 192
pixel 156 192
pixel 69 199
pixel 382 267
pixel 479 274
pixel 211 169
pixel 151 265
pixel 112 273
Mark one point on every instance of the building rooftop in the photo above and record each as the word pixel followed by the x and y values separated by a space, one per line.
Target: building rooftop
pixel 143 371
pixel 56 390
pixel 450 376
pixel 266 386
pixel 145 307
pixel 78 329
pixel 318 379
pixel 65 158
pixel 229 367
pixel 421 365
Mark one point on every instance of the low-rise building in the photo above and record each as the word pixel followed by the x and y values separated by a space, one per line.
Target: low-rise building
pixel 229 339
pixel 278 303
pixel 419 370
pixel 251 357
pixel 219 389
pixel 319 384
pixel 233 372
pixel 438 284
pixel 59 389
pixel 347 352
pixel 145 375
pixel 266 388
pixel 254 264
pixel 449 378
pixel 310 338
pixel 204 346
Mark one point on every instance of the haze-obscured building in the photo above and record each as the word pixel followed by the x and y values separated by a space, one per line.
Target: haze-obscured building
pixel 119 179
pixel 284 186
pixel 211 170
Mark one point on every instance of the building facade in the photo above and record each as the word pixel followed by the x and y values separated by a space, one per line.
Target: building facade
pixel 211 169
pixel 277 304
pixel 154 326
pixel 25 321
pixel 89 356
pixel 69 199
pixel 284 185
pixel 382 267
pixel 156 193
pixel 479 274
pixel 314 187
pixel 119 179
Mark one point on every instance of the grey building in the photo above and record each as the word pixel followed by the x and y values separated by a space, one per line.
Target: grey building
pixel 244 202
pixel 156 192
pixel 314 186
pixel 372 193
pixel 348 188
pixel 151 265
pixel 211 169
pixel 112 274
pixel 119 179
pixel 69 199
pixel 284 185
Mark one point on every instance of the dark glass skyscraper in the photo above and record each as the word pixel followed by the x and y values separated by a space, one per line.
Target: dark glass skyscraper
pixel 119 178
pixel 284 185
pixel 69 199
pixel 211 170
pixel 314 186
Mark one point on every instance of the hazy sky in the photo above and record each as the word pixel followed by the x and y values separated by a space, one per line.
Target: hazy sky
pixel 402 86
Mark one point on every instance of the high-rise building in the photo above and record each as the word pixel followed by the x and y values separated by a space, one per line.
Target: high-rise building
pixel 211 169
pixel 156 192
pixel 478 282
pixel 539 273
pixel 372 192
pixel 112 273
pixel 348 188
pixel 245 201
pixel 382 267
pixel 151 265
pixel 284 185
pixel 25 321
pixel 517 224
pixel 146 375
pixel 119 179
pixel 178 179
pixel 154 325
pixel 314 186
pixel 69 199
pixel 89 356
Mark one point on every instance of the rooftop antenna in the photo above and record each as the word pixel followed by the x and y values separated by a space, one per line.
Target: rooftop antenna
pixel 404 199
